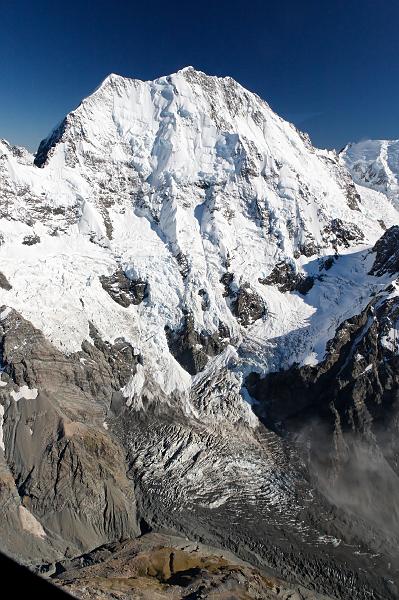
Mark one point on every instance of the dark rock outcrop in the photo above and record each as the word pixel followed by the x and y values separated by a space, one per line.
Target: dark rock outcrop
pixel 192 348
pixel 30 240
pixel 184 266
pixel 204 299
pixel 4 283
pixel 307 248
pixel 123 290
pixel 387 253
pixel 327 263
pixel 287 279
pixel 227 279
pixel 245 304
pixel 343 234
pixel 49 143
pixel 352 195
pixel 248 306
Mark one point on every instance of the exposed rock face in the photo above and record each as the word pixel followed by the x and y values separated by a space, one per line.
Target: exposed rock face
pixel 245 303
pixel 353 196
pixel 342 234
pixel 183 263
pixel 248 306
pixel 227 279
pixel 286 279
pixel 30 240
pixel 192 349
pixel 123 290
pixel 59 464
pixel 387 253
pixel 49 143
pixel 4 283
pixel 204 299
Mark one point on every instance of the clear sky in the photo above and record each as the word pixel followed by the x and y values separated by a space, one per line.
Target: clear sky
pixel 330 66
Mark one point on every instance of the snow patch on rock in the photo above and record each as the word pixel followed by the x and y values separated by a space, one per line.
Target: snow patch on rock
pixel 29 523
pixel 1 427
pixel 24 392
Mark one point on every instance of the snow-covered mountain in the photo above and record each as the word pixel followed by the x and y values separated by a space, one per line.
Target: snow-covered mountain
pixel 184 183
pixel 173 245
pixel 375 164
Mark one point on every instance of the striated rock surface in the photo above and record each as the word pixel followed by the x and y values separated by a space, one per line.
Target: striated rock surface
pixel 64 484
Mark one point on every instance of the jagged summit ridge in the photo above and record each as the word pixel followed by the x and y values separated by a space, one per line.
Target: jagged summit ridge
pixel 113 84
pixel 153 92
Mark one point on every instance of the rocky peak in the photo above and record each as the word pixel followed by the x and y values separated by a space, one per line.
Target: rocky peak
pixel 387 253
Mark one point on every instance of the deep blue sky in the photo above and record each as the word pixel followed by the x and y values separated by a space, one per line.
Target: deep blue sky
pixel 330 66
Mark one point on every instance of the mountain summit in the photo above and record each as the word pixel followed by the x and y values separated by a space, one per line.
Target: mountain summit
pixel 198 327
pixel 184 183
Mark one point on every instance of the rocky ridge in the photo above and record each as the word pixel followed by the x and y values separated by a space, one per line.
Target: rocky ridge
pixel 161 566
